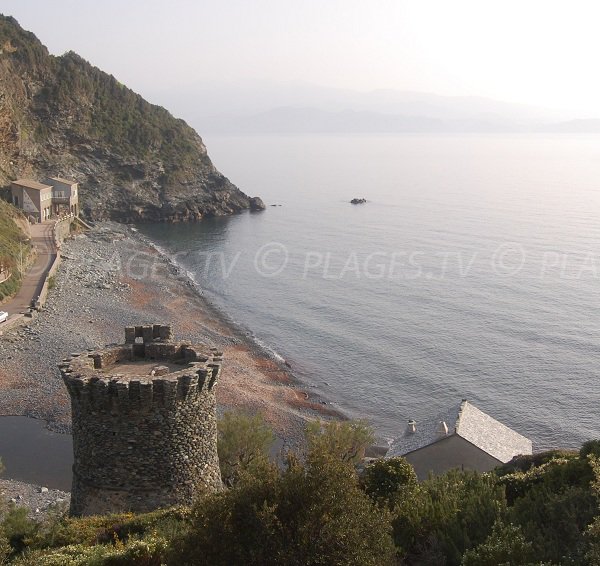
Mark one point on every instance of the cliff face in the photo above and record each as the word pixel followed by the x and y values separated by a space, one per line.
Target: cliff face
pixel 134 161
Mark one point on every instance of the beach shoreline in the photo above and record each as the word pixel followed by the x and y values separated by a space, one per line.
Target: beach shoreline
pixel 112 277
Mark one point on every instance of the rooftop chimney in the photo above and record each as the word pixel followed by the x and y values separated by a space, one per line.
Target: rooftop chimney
pixel 443 428
pixel 412 426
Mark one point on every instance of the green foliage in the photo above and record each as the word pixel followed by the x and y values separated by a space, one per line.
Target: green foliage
pixel 60 530
pixel 117 117
pixel 590 447
pixel 506 546
pixel 345 440
pixel 14 249
pixel 113 540
pixel 243 444
pixel 553 474
pixel 387 480
pixel 317 511
pixel 23 47
pixel 447 515
pixel 17 527
pixel 147 552
pixel 524 463
pixel 593 532
pixel 311 513
pixel 555 521
pixel 5 549
pixel 94 107
pixel 554 504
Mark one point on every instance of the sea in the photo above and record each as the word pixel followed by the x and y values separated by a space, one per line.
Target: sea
pixel 471 272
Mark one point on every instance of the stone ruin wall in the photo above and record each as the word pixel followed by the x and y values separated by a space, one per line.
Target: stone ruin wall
pixel 142 442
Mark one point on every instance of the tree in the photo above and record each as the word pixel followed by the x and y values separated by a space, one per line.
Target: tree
pixel 593 531
pixel 345 440
pixel 311 513
pixel 554 505
pixel 590 447
pixel 506 546
pixel 446 515
pixel 243 441
pixel 386 480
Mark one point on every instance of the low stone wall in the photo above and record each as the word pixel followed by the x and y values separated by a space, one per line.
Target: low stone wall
pixel 41 300
pixel 62 228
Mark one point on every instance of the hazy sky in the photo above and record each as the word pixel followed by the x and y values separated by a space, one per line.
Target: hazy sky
pixel 541 52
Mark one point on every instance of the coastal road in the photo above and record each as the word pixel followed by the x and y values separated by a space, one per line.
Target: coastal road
pixel 33 281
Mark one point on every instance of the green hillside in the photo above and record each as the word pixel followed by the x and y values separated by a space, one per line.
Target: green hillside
pixel 14 248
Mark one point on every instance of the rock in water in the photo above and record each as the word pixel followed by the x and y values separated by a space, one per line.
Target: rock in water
pixel 256 203
pixel 358 201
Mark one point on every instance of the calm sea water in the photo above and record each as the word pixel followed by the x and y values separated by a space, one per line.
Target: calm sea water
pixel 33 454
pixel 472 272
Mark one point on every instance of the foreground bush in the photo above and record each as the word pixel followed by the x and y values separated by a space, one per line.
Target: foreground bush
pixel 345 440
pixel 536 511
pixel 147 552
pixel 389 481
pixel 447 515
pixel 554 504
pixel 506 546
pixel 308 514
pixel 243 442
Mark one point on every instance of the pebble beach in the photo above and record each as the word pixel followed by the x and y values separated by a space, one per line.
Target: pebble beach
pixel 109 278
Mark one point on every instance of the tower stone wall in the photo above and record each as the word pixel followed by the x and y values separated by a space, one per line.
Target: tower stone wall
pixel 144 423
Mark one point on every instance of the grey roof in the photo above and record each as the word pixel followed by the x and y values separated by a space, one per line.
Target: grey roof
pixel 31 184
pixel 468 422
pixel 63 180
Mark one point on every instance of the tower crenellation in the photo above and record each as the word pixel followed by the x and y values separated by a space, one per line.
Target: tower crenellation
pixel 144 422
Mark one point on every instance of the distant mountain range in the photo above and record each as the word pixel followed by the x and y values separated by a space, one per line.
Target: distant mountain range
pixel 269 107
pixel 316 121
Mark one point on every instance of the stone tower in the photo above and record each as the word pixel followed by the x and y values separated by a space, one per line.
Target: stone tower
pixel 144 423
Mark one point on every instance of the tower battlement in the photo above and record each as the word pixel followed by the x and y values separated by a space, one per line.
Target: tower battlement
pixel 144 422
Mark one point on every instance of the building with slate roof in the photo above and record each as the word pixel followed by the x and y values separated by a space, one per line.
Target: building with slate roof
pixel 461 437
pixel 42 201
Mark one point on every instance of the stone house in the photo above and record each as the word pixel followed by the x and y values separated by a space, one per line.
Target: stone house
pixel 65 197
pixel 461 437
pixel 42 201
pixel 32 197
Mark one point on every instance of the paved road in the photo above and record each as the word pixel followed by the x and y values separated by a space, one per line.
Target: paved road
pixel 42 239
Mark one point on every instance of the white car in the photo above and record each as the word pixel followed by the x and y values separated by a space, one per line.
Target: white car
pixel 3 316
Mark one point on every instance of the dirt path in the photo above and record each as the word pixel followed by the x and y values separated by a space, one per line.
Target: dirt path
pixel 43 240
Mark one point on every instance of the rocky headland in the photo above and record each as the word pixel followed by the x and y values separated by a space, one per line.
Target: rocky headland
pixel 133 160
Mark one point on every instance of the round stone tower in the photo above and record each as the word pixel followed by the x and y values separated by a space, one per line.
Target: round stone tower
pixel 144 423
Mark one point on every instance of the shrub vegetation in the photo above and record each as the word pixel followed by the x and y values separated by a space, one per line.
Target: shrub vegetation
pixel 14 249
pixel 318 509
